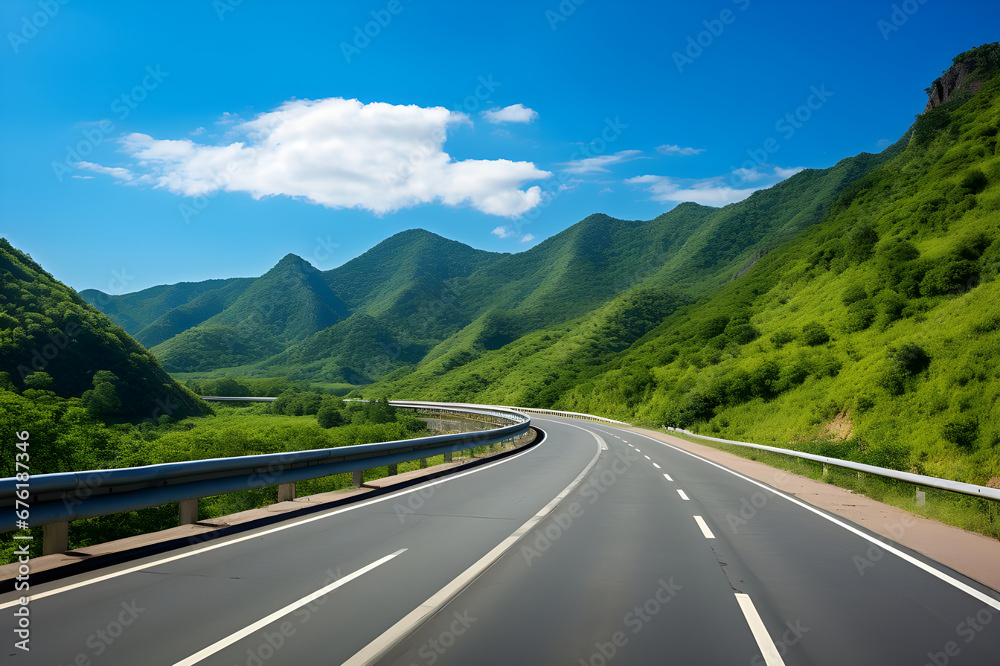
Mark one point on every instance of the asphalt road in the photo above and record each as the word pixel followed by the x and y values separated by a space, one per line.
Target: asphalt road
pixel 656 557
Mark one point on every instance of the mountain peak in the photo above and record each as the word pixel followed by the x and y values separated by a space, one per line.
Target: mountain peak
pixel 966 76
pixel 291 259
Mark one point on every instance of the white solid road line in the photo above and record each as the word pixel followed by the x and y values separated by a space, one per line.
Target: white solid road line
pixel 254 534
pixel 704 527
pixel 764 642
pixel 667 477
pixel 371 653
pixel 281 612
pixel 683 496
pixel 954 582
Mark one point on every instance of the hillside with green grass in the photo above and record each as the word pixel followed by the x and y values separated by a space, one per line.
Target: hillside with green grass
pixel 417 300
pixel 874 335
pixel 142 312
pixel 870 330
pixel 288 303
pixel 559 316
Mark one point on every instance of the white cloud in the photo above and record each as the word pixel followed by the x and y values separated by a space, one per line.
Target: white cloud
pixel 515 113
pixel 83 177
pixel 677 150
pixel 718 191
pixel 600 163
pixel 115 172
pixel 787 173
pixel 198 131
pixel 527 238
pixel 339 153
pixel 502 232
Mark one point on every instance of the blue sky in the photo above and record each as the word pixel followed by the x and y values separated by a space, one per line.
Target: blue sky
pixel 162 141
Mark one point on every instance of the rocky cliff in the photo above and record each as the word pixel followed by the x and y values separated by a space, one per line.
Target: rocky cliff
pixel 966 75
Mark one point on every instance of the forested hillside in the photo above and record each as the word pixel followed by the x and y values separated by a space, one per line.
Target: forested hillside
pixel 417 301
pixel 873 335
pixel 852 306
pixel 54 343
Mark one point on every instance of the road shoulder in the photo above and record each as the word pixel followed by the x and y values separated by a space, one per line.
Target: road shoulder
pixel 970 554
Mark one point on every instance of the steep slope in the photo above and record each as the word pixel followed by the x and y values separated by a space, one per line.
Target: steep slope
pixel 51 339
pixel 288 303
pixel 395 275
pixel 875 333
pixel 196 311
pixel 137 310
pixel 405 295
pixel 555 292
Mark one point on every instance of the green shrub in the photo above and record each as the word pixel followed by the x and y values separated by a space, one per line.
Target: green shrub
pixel 853 293
pixel 949 276
pixel 974 181
pixel 860 316
pixel 962 432
pixel 814 334
pixel 861 241
pixel 329 416
pixel 781 338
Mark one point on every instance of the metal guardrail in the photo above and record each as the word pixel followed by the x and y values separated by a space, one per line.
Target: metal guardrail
pixel 908 477
pixel 524 410
pixel 223 398
pixel 63 497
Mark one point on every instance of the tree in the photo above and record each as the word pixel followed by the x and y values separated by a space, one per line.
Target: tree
pixel 963 432
pixel 329 416
pixel 103 401
pixel 814 334
pixel 38 380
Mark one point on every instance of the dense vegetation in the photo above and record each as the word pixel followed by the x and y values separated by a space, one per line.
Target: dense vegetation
pixel 873 335
pixel 416 296
pixel 64 437
pixel 54 343
pixel 850 311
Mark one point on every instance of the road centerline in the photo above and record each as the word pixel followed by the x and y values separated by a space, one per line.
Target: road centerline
pixel 704 527
pixel 759 631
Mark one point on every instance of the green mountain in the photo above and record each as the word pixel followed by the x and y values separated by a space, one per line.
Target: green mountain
pixel 52 340
pixel 159 313
pixel 871 334
pixel 847 309
pixel 287 304
pixel 417 301
pixel 552 308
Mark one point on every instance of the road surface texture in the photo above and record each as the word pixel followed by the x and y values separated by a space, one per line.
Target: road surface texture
pixel 620 550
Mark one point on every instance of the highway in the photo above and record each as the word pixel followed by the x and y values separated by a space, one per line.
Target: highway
pixel 616 549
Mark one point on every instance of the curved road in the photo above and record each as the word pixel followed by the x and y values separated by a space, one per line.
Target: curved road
pixel 654 557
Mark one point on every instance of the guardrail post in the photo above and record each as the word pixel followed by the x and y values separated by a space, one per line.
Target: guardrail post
pixel 358 478
pixel 189 511
pixel 921 497
pixel 391 470
pixel 55 538
pixel 286 492
pixel 447 457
